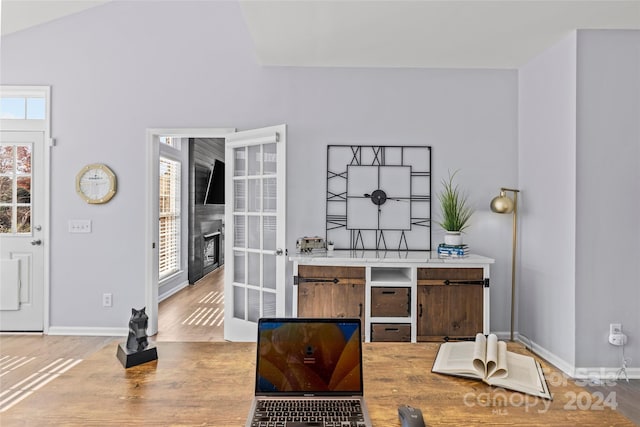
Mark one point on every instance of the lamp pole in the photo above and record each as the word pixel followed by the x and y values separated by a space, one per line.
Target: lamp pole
pixel 503 204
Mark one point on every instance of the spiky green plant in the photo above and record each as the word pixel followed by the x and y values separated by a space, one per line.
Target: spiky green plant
pixel 456 211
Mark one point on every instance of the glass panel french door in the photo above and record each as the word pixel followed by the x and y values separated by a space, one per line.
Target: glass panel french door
pixel 22 238
pixel 255 226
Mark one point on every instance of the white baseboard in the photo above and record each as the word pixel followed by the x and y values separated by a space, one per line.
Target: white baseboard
pixel 172 291
pixel 599 376
pixel 105 332
pixel 88 331
pixel 595 375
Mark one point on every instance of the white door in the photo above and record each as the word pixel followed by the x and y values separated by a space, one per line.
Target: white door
pixel 21 234
pixel 255 262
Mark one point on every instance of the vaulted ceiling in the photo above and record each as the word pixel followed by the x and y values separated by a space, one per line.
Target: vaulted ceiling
pixel 390 33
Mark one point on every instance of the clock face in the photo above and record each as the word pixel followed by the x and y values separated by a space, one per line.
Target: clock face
pixel 379 197
pixel 96 183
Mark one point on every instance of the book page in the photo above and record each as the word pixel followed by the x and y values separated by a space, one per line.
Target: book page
pixel 456 359
pixel 480 355
pixel 496 358
pixel 523 376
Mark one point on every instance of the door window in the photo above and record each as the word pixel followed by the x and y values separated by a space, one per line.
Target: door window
pixel 15 188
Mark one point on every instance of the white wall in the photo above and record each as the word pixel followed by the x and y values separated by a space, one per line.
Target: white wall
pixel 121 68
pixel 579 136
pixel 547 159
pixel 608 195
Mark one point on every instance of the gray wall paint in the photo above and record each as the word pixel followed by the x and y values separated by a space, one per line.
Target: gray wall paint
pixel 579 136
pixel 608 195
pixel 119 69
pixel 547 138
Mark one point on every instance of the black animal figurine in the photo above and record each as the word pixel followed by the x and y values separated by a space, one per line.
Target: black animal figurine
pixel 137 339
pixel 137 349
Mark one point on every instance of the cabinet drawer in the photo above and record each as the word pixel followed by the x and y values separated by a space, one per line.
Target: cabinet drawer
pixel 390 302
pixel 331 272
pixel 441 274
pixel 395 332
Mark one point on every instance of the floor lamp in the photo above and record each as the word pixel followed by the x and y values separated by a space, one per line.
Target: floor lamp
pixel 502 204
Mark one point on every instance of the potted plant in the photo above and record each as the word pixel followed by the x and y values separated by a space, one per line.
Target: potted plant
pixel 456 211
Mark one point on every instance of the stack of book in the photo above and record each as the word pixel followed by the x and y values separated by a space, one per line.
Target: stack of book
pixel 452 251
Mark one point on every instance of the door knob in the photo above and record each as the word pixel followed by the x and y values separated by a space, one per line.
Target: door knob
pixel 36 242
pixel 279 251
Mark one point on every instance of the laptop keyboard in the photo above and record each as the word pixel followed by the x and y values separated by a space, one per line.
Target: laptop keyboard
pixel 308 413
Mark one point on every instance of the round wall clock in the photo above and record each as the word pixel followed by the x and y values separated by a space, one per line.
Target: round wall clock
pixel 96 183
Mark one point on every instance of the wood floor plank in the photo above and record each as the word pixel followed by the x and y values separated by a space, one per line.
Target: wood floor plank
pixel 194 314
pixel 29 363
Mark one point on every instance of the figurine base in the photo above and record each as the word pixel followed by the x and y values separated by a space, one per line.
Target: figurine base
pixel 130 358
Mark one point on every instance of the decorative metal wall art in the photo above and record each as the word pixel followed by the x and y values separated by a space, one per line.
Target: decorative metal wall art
pixel 379 197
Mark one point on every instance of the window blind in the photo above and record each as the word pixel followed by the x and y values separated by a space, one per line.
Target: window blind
pixel 169 192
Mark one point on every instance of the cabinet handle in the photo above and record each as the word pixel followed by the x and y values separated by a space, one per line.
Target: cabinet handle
pixel 420 310
pixel 388 292
pixel 466 282
pixel 316 280
pixel 360 312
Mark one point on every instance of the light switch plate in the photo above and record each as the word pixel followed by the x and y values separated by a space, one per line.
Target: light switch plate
pixel 79 226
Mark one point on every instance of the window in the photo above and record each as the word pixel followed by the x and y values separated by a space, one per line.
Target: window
pixel 22 108
pixel 170 141
pixel 169 191
pixel 15 188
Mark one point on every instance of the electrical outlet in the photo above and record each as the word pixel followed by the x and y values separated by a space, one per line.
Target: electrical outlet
pixel 618 339
pixel 107 300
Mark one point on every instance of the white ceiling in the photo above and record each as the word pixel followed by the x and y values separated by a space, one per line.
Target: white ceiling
pixel 390 33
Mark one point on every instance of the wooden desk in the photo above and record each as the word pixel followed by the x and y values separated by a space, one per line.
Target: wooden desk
pixel 212 384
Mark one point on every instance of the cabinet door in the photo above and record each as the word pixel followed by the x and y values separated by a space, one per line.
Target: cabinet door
pixel 450 303
pixel 354 302
pixel 315 299
pixel 327 291
pixel 465 310
pixel 322 299
pixel 433 312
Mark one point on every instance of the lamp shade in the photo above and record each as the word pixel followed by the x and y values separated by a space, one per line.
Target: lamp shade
pixel 502 203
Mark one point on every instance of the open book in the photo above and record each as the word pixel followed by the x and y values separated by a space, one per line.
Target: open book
pixel 487 359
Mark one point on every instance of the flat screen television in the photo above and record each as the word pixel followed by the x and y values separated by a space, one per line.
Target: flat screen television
pixel 215 187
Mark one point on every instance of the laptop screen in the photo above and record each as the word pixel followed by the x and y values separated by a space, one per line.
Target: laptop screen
pixel 309 356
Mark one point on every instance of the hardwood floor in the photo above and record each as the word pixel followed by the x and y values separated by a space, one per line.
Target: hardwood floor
pixel 626 395
pixel 29 362
pixel 196 313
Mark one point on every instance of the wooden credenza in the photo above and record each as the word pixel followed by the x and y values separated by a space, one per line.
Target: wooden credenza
pixel 402 296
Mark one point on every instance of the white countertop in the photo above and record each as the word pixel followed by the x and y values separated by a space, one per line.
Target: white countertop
pixel 358 257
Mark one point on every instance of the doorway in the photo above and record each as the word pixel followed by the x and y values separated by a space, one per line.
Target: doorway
pixel 191 301
pixel 255 183
pixel 152 229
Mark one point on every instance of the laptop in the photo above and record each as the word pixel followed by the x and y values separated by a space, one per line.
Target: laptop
pixel 309 374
